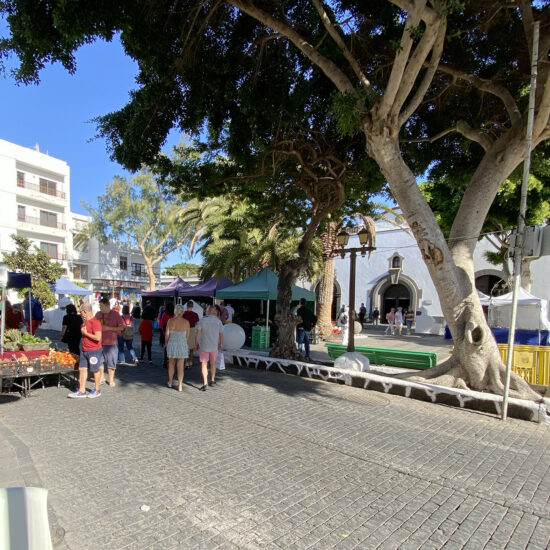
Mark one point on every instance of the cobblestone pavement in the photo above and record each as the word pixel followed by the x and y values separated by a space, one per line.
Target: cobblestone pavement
pixel 264 460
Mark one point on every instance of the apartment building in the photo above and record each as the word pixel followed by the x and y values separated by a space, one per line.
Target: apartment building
pixel 35 203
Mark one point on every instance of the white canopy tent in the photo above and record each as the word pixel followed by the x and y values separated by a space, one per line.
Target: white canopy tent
pixel 532 312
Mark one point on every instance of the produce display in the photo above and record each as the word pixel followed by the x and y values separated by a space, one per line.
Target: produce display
pixel 21 363
pixel 14 340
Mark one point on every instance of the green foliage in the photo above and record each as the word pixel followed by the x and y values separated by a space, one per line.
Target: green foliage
pixel 43 271
pixel 348 112
pixel 139 212
pixel 182 268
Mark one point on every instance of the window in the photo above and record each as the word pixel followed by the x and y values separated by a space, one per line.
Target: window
pixel 47 186
pixel 20 213
pixel 20 179
pixel 50 249
pixel 138 270
pixel 80 271
pixel 48 218
pixel 396 261
pixel 123 263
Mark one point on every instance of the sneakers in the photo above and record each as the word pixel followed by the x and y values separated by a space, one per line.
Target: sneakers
pixel 76 395
pixel 212 383
pixel 94 393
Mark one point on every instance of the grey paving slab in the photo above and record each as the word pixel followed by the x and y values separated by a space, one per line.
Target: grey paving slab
pixel 265 460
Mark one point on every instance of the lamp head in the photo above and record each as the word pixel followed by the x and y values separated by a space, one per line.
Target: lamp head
pixel 342 237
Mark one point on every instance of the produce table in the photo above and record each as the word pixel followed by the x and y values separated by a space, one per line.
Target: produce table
pixel 22 366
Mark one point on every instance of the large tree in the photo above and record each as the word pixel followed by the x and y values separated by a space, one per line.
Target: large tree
pixel 136 210
pixel 449 76
pixel 28 258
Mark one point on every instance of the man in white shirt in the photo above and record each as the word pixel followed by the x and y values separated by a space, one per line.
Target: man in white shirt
pixel 230 313
pixel 209 342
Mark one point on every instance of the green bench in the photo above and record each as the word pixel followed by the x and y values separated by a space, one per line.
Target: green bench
pixel 392 357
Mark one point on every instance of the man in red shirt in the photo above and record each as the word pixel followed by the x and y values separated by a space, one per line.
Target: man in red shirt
pixel 111 326
pixel 193 319
pixel 91 356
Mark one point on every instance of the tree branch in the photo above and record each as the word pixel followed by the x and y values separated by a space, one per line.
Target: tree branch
pixel 331 70
pixel 437 50
pixel 487 86
pixel 462 127
pixel 341 44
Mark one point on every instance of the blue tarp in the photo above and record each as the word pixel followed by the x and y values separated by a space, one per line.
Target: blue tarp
pixel 208 288
pixel 64 286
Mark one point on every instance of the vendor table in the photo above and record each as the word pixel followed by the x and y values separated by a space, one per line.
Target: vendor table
pixel 28 370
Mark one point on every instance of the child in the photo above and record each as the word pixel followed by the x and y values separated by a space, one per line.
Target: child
pixel 146 333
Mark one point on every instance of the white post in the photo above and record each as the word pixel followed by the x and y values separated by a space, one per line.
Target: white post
pixel 267 316
pixel 521 220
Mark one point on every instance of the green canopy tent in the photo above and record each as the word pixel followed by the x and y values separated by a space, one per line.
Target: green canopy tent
pixel 262 286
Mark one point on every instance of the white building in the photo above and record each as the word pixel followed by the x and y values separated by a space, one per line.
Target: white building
pixel 395 275
pixel 35 203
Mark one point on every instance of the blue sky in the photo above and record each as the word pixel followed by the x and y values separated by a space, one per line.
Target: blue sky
pixel 57 114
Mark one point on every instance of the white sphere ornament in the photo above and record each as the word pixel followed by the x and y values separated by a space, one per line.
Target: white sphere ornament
pixel 357 327
pixel 233 336
pixel 352 361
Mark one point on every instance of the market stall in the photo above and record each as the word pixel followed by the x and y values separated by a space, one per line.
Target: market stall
pixel 25 359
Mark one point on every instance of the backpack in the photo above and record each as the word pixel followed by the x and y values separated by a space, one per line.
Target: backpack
pixel 37 313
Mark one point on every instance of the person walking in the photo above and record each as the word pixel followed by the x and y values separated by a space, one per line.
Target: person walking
pixel 111 326
pixel 362 314
pixel 193 318
pixel 305 324
pixel 146 333
pixel 91 357
pixel 33 313
pixel 375 316
pixel 230 313
pixel 71 332
pixel 343 322
pixel 148 311
pixel 409 319
pixel 127 337
pixel 164 317
pixel 177 350
pixel 399 320
pixel 209 341
pixel 136 315
pixel 390 318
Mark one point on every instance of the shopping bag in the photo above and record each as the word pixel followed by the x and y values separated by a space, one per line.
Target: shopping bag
pixel 220 361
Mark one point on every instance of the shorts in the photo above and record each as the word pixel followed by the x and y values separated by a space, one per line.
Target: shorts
pixel 92 360
pixel 205 356
pixel 110 356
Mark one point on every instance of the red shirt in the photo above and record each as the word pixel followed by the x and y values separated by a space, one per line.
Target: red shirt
pixel 192 317
pixel 92 326
pixel 111 319
pixel 164 319
pixel 146 330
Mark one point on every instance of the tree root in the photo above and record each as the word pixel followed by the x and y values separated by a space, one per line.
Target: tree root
pixel 450 374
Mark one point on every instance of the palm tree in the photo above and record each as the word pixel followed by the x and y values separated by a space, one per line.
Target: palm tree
pixel 329 244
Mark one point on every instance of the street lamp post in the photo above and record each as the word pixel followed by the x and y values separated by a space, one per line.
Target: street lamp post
pixel 343 238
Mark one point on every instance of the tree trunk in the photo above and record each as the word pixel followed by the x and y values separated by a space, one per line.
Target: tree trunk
pixel 475 362
pixel 324 300
pixel 150 273
pixel 286 322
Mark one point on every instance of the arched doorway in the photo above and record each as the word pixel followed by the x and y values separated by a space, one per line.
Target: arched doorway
pixel 394 296
pixel 491 285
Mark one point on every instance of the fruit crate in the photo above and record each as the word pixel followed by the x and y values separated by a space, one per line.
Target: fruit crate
pixel 36 346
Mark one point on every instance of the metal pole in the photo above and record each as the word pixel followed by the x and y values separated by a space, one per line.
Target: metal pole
pixel 521 220
pixel 267 316
pixel 351 319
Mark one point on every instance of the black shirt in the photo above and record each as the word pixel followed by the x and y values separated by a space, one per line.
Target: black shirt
pixel 308 319
pixel 73 322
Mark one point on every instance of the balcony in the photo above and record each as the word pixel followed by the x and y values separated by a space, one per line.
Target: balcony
pixel 39 221
pixel 56 256
pixel 41 189
pixel 139 274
